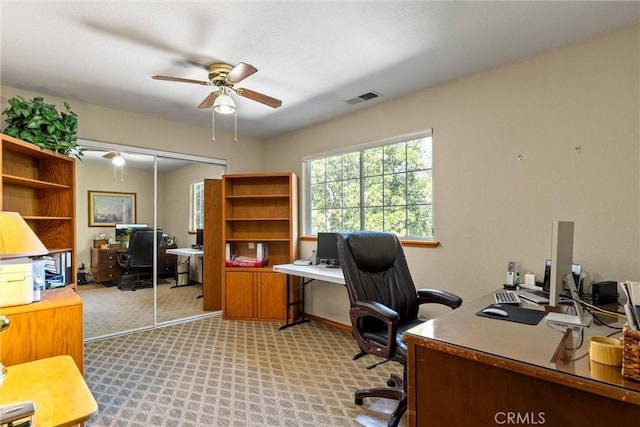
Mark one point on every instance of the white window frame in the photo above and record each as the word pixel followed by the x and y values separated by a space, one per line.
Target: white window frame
pixel 196 207
pixel 306 178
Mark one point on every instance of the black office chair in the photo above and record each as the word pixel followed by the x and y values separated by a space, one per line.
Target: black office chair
pixel 138 258
pixel 384 304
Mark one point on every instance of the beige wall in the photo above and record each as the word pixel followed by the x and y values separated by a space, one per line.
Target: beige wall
pixel 490 207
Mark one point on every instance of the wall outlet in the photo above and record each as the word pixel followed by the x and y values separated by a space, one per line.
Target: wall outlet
pixel 252 245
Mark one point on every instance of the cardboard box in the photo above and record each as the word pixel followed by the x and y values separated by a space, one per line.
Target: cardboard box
pixel 16 282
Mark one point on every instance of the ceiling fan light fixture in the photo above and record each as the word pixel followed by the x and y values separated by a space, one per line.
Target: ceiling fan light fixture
pixel 224 104
pixel 118 160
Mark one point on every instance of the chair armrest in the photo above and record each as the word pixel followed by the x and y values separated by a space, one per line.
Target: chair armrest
pixel 123 258
pixel 438 296
pixel 379 311
pixel 364 309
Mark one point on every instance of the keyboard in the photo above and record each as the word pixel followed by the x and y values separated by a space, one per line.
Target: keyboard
pixel 506 297
pixel 534 295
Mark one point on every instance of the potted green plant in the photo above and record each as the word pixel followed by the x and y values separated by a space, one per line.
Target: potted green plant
pixel 39 123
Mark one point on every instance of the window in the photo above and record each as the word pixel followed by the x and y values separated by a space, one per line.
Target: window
pixel 383 188
pixel 197 206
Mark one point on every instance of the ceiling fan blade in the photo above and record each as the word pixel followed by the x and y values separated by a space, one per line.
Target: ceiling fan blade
pixel 256 96
pixel 240 72
pixel 208 101
pixel 110 155
pixel 179 79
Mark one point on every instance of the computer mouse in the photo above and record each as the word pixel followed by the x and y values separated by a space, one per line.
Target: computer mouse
pixel 495 312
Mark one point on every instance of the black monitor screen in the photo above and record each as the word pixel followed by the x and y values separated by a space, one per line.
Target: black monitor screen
pixel 327 251
pixel 123 232
pixel 200 237
pixel 576 270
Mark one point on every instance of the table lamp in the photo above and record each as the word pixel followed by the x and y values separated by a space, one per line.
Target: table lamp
pixel 17 240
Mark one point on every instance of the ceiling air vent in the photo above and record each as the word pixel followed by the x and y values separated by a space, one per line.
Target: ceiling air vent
pixel 364 97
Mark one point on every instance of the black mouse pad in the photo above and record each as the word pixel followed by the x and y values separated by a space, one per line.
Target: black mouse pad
pixel 516 314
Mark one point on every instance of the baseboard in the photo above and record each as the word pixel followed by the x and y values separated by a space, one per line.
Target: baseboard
pixel 328 322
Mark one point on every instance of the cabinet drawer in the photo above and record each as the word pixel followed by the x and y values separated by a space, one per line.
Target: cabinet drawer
pixel 108 257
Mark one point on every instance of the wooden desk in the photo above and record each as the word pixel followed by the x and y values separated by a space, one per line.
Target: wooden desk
pixel 465 370
pixel 50 327
pixel 57 388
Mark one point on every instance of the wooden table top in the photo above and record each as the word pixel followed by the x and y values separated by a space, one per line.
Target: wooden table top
pixel 55 385
pixel 542 349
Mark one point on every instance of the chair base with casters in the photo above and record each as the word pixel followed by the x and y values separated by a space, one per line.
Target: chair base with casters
pixel 394 391
pixel 134 283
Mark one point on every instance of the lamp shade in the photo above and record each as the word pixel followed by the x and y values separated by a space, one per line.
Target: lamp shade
pixel 224 103
pixel 17 239
pixel 118 160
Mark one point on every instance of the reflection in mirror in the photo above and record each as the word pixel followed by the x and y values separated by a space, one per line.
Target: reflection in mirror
pixel 158 190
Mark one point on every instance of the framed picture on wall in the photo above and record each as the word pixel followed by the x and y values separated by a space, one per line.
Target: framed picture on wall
pixel 107 208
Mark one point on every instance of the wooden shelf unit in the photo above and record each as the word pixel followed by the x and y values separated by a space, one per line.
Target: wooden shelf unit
pixel 258 208
pixel 40 185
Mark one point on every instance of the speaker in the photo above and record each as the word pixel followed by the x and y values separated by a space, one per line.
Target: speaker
pixel 604 292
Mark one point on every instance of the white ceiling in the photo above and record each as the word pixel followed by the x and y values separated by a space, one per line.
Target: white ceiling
pixel 311 55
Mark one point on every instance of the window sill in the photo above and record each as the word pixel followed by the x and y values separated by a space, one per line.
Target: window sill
pixel 405 243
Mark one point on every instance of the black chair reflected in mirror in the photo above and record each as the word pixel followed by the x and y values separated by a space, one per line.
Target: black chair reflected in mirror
pixel 384 304
pixel 138 259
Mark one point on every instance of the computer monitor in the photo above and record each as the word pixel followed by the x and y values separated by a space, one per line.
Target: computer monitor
pixel 561 258
pixel 200 238
pixel 327 250
pixel 123 232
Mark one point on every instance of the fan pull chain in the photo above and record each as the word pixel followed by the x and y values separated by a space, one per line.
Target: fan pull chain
pixel 213 125
pixel 115 173
pixel 235 132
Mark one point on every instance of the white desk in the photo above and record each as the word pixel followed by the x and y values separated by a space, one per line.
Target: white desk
pixel 185 252
pixel 306 273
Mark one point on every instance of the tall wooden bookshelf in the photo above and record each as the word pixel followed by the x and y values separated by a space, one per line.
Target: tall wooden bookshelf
pixel 40 185
pixel 258 208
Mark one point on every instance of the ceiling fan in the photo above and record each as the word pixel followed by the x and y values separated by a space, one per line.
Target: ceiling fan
pixel 224 77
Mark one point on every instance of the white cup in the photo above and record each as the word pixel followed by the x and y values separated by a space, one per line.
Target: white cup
pixel 530 279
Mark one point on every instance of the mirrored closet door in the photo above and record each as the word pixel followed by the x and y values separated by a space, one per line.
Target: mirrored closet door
pixel 116 204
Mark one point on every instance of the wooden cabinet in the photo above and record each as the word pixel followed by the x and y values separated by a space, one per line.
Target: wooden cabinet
pixel 49 327
pixel 239 295
pixel 256 209
pixel 167 263
pixel 255 295
pixel 40 185
pixel 104 265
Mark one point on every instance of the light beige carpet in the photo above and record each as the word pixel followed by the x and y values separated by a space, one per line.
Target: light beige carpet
pixel 108 310
pixel 215 372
